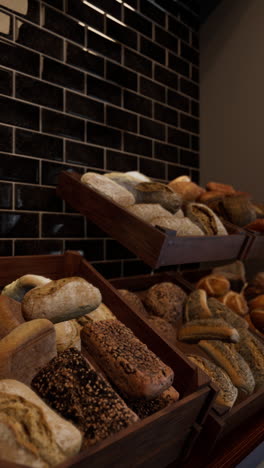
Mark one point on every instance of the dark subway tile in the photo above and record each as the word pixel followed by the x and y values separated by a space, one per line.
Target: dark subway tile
pixel 40 40
pixel 5 248
pixel 86 155
pixel 110 6
pixel 85 107
pixel 138 145
pixel 85 14
pixel 121 119
pixel 193 5
pixel 178 101
pixel 189 88
pixel 152 129
pixel 177 137
pixel 19 169
pixel 103 90
pixel 81 58
pixel 6 81
pixel 109 269
pixel 16 57
pixel 177 171
pixel 18 113
pixel 195 143
pixel 166 39
pixel 63 25
pixel 152 50
pixel 104 46
pixel 51 171
pixel 189 123
pixel 189 54
pixel 56 3
pixel 195 108
pixel 166 77
pixel 17 225
pixel 152 168
pixel 54 225
pixel 166 152
pixel 121 33
pixel 137 103
pixel 195 176
pixel 189 158
pixel 63 75
pixel 36 198
pixel 137 62
pixel 7 24
pixel 31 12
pixel 6 196
pixel 38 247
pixel 189 19
pixel 120 162
pixel 152 11
pixel 132 3
pixel 138 22
pixel 90 248
pixel 121 76
pixel 38 92
pixel 94 231
pixel 5 139
pixel 166 114
pixel 151 89
pixel 195 41
pixel 115 251
pixel 38 145
pixel 103 135
pixel 63 125
pixel 195 75
pixel 179 29
pixel 135 267
pixel 179 65
pixel 169 6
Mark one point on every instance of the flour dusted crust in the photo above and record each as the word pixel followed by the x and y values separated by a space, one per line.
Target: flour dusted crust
pixel 165 300
pixel 148 211
pixel 252 350
pixel 208 329
pixel 206 219
pixel 30 432
pixel 196 306
pixel 67 335
pixel 155 192
pixel 109 188
pixel 182 226
pixel 130 365
pixel 187 189
pixel 228 392
pixel 220 310
pixel 18 288
pixel 214 285
pixel 10 314
pixel 61 300
pixel 100 313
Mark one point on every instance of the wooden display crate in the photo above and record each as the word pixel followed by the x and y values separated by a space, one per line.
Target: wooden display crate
pixel 156 247
pixel 166 435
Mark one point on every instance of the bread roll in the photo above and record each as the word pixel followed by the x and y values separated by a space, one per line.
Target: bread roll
pixel 234 271
pixel 238 210
pixel 145 408
pixel 67 335
pixel 10 315
pixel 61 300
pixel 214 285
pixel 217 186
pixel 255 287
pixel 22 285
pixel 220 310
pixel 257 302
pixel 27 349
pixel 257 317
pixel 205 197
pixel 130 365
pixel 31 433
pixel 196 306
pixel 252 350
pixel 257 225
pixel 236 302
pixel 182 226
pixel 227 391
pixel 206 219
pixel 164 328
pixel 207 329
pixel 226 356
pixel 101 313
pixel 134 301
pixel 165 300
pixel 138 176
pixel 188 190
pixel 148 211
pixel 183 178
pixel 155 192
pixel 108 188
pixel 95 408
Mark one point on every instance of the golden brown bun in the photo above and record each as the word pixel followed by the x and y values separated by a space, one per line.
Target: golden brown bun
pixel 255 287
pixel 217 186
pixel 188 190
pixel 10 315
pixel 257 302
pixel 257 225
pixel 208 329
pixel 214 285
pixel 207 196
pixel 235 302
pixel 257 317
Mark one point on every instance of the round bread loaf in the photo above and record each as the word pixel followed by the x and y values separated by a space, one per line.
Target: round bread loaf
pixel 235 302
pixel 214 285
pixel 22 285
pixel 134 301
pixel 61 300
pixel 165 300
pixel 164 328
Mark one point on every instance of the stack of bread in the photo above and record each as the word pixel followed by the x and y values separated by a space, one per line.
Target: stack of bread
pixel 53 400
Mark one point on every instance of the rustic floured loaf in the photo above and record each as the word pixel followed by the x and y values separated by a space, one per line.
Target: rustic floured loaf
pixel 208 329
pixel 101 313
pixel 228 392
pixel 127 181
pixel 134 301
pixel 139 176
pixel 206 219
pixel 61 300
pixel 252 350
pixel 165 300
pixel 96 409
pixel 109 188
pixel 220 310
pixel 26 349
pixel 22 285
pixel 148 211
pixel 10 315
pixel 214 285
pixel 130 365
pixel 155 192
pixel 145 408
pixel 227 357
pixel 196 306
pixel 182 226
pixel 67 335
pixel 31 433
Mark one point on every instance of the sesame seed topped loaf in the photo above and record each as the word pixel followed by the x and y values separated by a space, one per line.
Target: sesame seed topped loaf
pixel 61 300
pixel 165 300
pixel 252 350
pixel 220 310
pixel 129 364
pixel 77 392
pixel 145 408
pixel 22 285
pixel 109 188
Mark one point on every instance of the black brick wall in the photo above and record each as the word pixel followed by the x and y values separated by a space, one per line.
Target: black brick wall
pixel 101 85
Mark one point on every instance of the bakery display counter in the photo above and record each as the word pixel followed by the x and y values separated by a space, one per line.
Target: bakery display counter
pixel 155 246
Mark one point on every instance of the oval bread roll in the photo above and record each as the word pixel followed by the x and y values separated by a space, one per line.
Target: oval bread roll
pixel 214 285
pixel 22 285
pixel 109 188
pixel 257 302
pixel 235 302
pixel 68 335
pixel 208 329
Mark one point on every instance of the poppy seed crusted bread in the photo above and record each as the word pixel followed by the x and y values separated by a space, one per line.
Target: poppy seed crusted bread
pixel 196 306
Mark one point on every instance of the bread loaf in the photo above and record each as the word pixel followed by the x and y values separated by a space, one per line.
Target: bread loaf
pixel 188 190
pixel 130 365
pixel 236 302
pixel 196 306
pixel 22 285
pixel 220 310
pixel 214 285
pixel 238 210
pixel 67 335
pixel 138 176
pixel 134 301
pixel 206 219
pixel 31 433
pixel 257 302
pixel 108 188
pixel 148 211
pixel 217 186
pixel 155 192
pixel 10 315
pixel 182 226
pixel 101 313
pixel 208 329
pixel 165 300
pixel 26 349
pixel 233 271
pixel 145 408
pixel 257 225
pixel 255 287
pixel 95 408
pixel 61 300
pixel 257 317
pixel 226 356
pixel 206 197
pixel 251 349
pixel 164 328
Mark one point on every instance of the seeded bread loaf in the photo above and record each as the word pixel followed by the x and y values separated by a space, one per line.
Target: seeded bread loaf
pixel 220 310
pixel 31 433
pixel 251 349
pixel 182 226
pixel 148 211
pixel 165 300
pixel 214 285
pixel 61 300
pixel 129 364
pixel 196 306
pixel 10 315
pixel 206 219
pixel 145 408
pixel 208 329
pixel 22 285
pixel 108 188
pixel 133 300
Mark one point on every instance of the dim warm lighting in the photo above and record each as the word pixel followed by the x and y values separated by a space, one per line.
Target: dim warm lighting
pixel 116 20
pixel 129 7
pixel 101 34
pixel 81 24
pixel 94 7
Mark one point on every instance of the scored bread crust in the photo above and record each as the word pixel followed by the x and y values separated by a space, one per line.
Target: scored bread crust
pixel 206 219
pixel 236 302
pixel 196 306
pixel 214 285
pixel 208 329
pixel 220 310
